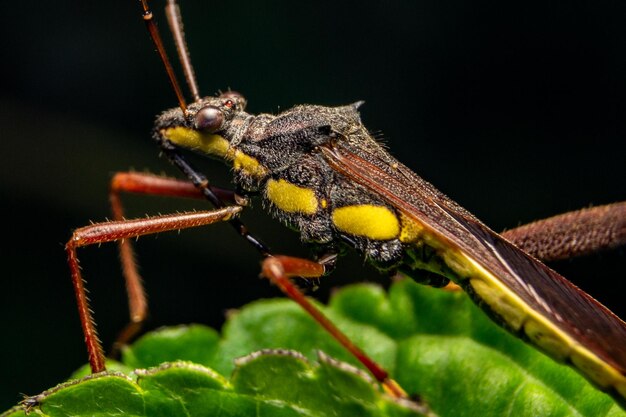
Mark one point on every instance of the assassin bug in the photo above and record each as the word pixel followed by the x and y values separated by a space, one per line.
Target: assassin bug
pixel 318 169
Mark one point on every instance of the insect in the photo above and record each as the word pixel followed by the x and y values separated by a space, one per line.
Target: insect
pixel 318 169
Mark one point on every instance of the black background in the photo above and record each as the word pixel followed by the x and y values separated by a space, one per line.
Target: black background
pixel 515 110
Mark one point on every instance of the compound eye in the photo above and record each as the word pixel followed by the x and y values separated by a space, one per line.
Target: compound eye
pixel 235 96
pixel 209 119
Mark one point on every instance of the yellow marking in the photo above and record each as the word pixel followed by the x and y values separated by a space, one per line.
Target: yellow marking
pixel 372 222
pixel 248 164
pixel 503 306
pixel 411 229
pixel 456 260
pixel 324 203
pixel 216 145
pixel 192 139
pixel 541 331
pixel 547 339
pixel 621 387
pixel 290 197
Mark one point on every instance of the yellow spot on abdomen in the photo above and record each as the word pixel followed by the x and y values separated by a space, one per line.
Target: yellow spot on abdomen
pixel 411 229
pixel 372 222
pixel 291 198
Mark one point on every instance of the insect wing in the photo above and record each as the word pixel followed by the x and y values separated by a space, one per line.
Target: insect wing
pixel 527 296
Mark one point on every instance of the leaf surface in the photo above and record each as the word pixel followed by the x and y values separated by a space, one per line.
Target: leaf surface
pixel 434 343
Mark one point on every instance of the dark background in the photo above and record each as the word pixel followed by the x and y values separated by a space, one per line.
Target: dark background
pixel 515 110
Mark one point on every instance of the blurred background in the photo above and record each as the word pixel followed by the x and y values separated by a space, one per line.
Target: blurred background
pixel 516 110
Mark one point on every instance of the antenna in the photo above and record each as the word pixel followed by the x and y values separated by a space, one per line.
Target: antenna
pixel 175 21
pixel 158 43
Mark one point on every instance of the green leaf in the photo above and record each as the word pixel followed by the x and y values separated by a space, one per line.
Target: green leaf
pixel 435 343
pixel 269 383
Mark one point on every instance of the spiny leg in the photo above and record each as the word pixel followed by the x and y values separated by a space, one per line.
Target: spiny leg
pixel 572 234
pixel 143 183
pixel 279 270
pixel 116 230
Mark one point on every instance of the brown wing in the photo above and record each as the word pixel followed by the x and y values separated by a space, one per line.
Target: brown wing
pixel 540 289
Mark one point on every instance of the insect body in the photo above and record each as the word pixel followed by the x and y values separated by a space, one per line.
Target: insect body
pixel 319 170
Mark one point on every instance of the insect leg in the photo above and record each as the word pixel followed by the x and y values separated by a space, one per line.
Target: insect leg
pixel 202 183
pixel 117 230
pixel 143 183
pixel 572 234
pixel 135 182
pixel 279 270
